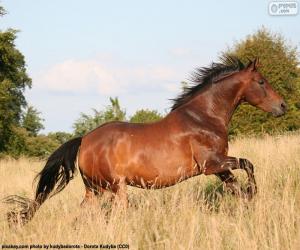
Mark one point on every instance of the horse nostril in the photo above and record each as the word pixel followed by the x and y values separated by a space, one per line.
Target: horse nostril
pixel 283 106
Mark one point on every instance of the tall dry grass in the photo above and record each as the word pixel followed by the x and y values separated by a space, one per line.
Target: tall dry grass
pixel 194 214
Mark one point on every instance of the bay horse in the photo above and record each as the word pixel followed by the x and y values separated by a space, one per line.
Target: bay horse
pixel 191 140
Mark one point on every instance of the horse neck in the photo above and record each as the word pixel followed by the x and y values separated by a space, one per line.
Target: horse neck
pixel 217 101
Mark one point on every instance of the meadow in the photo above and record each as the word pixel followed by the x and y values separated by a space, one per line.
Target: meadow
pixel 194 214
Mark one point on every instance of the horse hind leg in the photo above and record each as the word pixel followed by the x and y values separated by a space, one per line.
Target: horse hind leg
pixel 90 197
pixel 92 191
pixel 120 193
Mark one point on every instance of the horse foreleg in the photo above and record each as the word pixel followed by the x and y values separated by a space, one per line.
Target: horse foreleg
pixel 230 182
pixel 249 168
pixel 225 164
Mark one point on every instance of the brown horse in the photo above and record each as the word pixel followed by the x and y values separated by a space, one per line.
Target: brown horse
pixel 191 140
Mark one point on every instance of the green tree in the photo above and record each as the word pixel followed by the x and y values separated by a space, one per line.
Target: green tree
pixel 2 11
pixel 40 146
pixel 113 111
pixel 32 121
pixel 184 85
pixel 279 64
pixel 17 144
pixel 145 115
pixel 60 137
pixel 13 81
pixel 21 143
pixel 18 129
pixel 86 123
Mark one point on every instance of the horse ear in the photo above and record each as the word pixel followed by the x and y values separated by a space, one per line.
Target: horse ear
pixel 256 62
pixel 251 66
pixel 249 63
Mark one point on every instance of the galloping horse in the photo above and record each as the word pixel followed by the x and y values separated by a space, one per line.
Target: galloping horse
pixel 191 140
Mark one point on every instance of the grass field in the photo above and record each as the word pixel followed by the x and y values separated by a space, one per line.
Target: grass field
pixel 195 214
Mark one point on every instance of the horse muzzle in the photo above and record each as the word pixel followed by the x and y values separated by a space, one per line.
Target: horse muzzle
pixel 279 110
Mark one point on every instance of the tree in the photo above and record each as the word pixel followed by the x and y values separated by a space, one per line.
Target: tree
pixel 13 81
pixel 32 121
pixel 145 115
pixel 40 146
pixel 60 137
pixel 279 64
pixel 113 111
pixel 2 11
pixel 18 129
pixel 184 85
pixel 86 123
pixel 21 143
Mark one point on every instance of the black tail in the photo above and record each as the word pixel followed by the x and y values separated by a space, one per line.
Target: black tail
pixel 56 174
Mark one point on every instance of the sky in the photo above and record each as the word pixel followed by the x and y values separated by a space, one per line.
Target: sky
pixel 79 53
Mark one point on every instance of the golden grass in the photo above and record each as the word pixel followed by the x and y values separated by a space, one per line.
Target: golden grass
pixel 194 214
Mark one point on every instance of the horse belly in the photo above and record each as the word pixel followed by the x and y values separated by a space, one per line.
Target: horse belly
pixel 144 156
pixel 154 167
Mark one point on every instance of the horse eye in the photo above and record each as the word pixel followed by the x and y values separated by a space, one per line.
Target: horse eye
pixel 261 81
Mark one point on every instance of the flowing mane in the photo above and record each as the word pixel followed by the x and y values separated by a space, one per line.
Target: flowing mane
pixel 205 75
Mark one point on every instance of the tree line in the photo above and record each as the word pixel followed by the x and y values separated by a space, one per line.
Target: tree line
pixel 21 124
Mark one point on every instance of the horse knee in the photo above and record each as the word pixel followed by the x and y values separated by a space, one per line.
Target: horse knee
pixel 246 165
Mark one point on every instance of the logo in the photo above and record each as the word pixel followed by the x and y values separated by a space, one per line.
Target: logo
pixel 283 8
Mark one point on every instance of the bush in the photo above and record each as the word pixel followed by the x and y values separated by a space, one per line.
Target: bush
pixel 145 115
pixel 23 144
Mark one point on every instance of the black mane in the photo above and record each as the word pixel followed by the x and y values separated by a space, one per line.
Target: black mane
pixel 205 75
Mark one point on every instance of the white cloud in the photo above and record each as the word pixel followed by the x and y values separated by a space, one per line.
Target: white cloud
pixel 105 78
